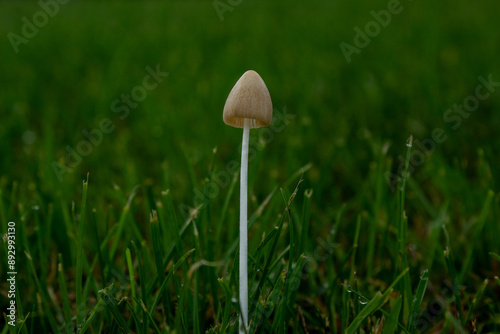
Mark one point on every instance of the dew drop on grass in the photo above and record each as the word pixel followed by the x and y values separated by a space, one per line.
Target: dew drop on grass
pixel 409 141
pixel 363 301
pixel 35 207
pixel 423 274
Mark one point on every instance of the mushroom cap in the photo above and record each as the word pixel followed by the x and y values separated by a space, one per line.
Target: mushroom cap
pixel 250 99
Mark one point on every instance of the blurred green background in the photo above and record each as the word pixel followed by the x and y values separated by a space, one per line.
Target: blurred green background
pixel 351 119
pixel 65 78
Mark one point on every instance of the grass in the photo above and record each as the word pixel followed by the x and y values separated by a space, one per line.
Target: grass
pixel 142 235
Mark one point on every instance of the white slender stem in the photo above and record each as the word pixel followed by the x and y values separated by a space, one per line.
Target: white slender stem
pixel 244 229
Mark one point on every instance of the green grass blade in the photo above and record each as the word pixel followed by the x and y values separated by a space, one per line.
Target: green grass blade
pixel 477 234
pixel 256 257
pixel 225 206
pixel 157 248
pixel 373 305
pixel 454 322
pixel 477 297
pixel 392 318
pixel 79 257
pixel 274 303
pixel 21 324
pixel 41 241
pixel 435 232
pixel 137 322
pixel 417 300
pixel 300 172
pixel 294 280
pixel 182 232
pixel 259 318
pixel 172 222
pixel 355 247
pixel 306 221
pixel 93 314
pixel 64 293
pixel 151 320
pixel 402 236
pixel 495 256
pixel 251 221
pixel 450 263
pixel 23 319
pixel 142 281
pixel 344 312
pixel 227 307
pixel 498 280
pixel 97 243
pixel 112 304
pixel 121 223
pixel 181 321
pixel 131 272
pixel 43 295
pixel 178 264
pixel 356 300
pixel 265 273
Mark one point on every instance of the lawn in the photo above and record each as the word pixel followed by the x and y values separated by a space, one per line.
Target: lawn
pixel 373 195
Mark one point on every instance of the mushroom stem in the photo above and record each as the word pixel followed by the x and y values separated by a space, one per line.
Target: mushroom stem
pixel 248 105
pixel 244 229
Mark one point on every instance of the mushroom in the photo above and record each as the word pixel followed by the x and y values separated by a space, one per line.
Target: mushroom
pixel 247 106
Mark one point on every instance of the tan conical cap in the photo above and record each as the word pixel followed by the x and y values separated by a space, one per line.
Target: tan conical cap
pixel 250 99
